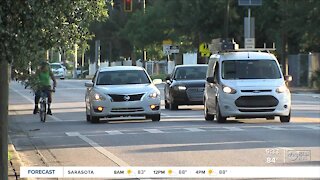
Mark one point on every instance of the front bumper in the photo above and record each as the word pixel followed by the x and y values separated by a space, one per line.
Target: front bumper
pixel 125 108
pixel 190 96
pixel 59 74
pixel 228 107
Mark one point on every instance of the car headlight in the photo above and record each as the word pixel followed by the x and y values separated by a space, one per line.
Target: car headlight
pixel 228 90
pixel 180 88
pixel 154 95
pixel 282 89
pixel 98 97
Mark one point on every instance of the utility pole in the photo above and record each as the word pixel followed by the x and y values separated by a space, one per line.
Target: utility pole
pixel 144 59
pixel 226 21
pixel 75 61
pixel 4 94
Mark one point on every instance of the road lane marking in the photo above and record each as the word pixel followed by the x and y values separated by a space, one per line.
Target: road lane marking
pixel 194 129
pixel 312 127
pixel 154 131
pixel 234 128
pixel 275 128
pixel 26 97
pixel 114 132
pixel 99 148
pixel 54 118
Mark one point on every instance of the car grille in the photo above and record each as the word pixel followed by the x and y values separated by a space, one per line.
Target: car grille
pixel 121 98
pixel 256 110
pixel 257 91
pixel 126 110
pixel 256 101
pixel 195 94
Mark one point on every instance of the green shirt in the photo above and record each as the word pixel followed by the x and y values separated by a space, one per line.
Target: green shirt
pixel 44 78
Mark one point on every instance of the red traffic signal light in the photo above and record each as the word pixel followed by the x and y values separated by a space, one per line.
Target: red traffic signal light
pixel 127 5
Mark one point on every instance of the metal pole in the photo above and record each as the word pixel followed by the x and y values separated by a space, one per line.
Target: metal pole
pixel 249 23
pixel 144 50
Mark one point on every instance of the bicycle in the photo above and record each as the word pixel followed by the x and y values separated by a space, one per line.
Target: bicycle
pixel 43 105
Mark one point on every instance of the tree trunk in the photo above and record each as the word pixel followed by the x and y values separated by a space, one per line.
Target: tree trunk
pixel 4 119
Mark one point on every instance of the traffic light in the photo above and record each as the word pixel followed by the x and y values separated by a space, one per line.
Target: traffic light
pixel 127 5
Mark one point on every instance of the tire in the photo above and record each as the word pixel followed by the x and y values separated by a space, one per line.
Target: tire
pixel 220 119
pixel 88 118
pixel 285 119
pixel 173 106
pixel 42 112
pixel 155 117
pixel 207 116
pixel 94 119
pixel 166 104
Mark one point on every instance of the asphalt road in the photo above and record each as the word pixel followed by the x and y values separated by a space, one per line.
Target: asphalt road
pixel 181 138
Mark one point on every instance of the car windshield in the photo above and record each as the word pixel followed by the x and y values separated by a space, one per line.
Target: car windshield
pixel 250 69
pixel 55 66
pixel 122 77
pixel 188 73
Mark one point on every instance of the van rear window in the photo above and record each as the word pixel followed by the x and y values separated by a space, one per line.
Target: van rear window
pixel 250 69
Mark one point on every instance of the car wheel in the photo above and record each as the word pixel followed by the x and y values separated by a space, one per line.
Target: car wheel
pixel 88 118
pixel 94 119
pixel 285 119
pixel 173 106
pixel 219 118
pixel 166 104
pixel 207 116
pixel 155 117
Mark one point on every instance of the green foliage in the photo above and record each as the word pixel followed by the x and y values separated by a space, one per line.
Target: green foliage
pixel 189 22
pixel 29 28
pixel 9 156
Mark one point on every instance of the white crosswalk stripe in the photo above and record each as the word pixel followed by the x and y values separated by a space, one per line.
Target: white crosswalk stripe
pixel 312 127
pixel 275 128
pixel 114 132
pixel 234 128
pixel 195 129
pixel 155 131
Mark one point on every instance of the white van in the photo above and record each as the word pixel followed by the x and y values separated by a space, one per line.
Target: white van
pixel 246 85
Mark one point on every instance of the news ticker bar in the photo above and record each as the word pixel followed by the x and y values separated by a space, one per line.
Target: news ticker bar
pixel 168 172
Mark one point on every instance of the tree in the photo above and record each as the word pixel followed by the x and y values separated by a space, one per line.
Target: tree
pixel 28 28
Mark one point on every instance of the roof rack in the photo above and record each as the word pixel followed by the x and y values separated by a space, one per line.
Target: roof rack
pixel 229 45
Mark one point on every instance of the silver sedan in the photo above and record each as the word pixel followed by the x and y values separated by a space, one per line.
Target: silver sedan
pixel 122 91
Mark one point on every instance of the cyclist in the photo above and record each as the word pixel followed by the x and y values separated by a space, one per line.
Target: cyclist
pixel 44 74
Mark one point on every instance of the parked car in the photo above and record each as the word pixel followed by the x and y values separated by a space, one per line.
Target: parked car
pixel 185 86
pixel 122 91
pixel 58 70
pixel 246 85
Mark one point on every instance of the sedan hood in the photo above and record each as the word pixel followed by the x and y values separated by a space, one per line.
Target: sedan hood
pixel 189 83
pixel 126 89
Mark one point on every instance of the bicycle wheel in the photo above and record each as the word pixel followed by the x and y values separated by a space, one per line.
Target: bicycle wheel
pixel 42 113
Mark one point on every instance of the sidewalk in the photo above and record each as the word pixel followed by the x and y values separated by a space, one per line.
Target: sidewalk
pixel 14 163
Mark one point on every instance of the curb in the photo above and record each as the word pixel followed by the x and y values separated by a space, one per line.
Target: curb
pixel 15 162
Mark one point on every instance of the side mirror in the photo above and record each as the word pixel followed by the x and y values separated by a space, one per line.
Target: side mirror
pixel 88 84
pixel 168 78
pixel 210 80
pixel 288 78
pixel 157 81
